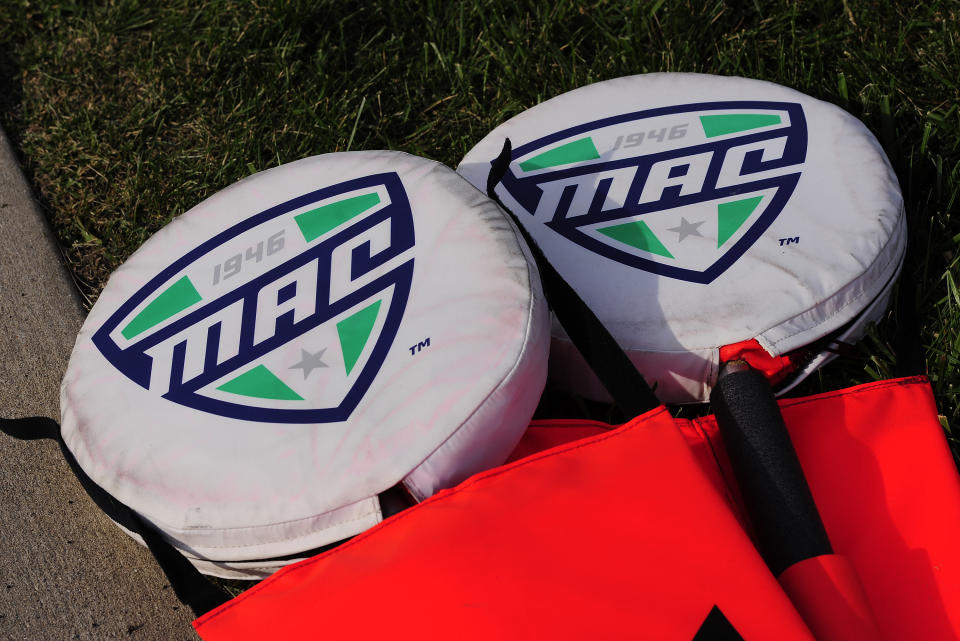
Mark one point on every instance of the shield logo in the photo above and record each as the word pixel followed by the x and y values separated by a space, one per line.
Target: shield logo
pixel 285 317
pixel 680 191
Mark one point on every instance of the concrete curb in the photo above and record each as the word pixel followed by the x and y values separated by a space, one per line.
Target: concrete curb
pixel 66 571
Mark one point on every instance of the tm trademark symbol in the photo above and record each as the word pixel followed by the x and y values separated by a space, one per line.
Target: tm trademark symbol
pixel 790 241
pixel 415 349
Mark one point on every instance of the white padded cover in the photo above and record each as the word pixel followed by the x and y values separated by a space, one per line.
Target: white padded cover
pixel 693 212
pixel 265 365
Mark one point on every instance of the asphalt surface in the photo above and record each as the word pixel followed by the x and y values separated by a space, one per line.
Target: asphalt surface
pixel 66 571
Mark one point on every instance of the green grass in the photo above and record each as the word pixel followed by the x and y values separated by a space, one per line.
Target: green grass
pixel 126 114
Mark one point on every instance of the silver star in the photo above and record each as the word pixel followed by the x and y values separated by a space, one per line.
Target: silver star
pixel 686 228
pixel 309 362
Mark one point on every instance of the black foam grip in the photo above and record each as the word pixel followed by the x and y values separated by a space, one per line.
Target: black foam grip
pixel 778 500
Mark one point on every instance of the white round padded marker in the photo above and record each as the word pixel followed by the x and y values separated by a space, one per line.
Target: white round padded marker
pixel 702 215
pixel 267 364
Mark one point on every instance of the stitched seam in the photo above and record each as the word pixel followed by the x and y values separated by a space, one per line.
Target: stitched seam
pixel 713 454
pixel 836 313
pixel 169 528
pixel 865 387
pixel 476 480
pixel 727 487
pixel 531 282
pixel 882 268
pixel 569 422
pixel 271 541
pixel 646 350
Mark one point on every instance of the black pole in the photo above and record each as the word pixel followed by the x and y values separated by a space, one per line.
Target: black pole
pixel 775 492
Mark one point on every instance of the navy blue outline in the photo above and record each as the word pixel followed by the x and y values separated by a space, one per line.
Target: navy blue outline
pixel 526 190
pixel 136 364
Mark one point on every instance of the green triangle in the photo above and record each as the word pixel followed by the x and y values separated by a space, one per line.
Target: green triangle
pixel 576 151
pixel 722 124
pixel 730 216
pixel 260 382
pixel 637 234
pixel 354 332
pixel 176 298
pixel 319 221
